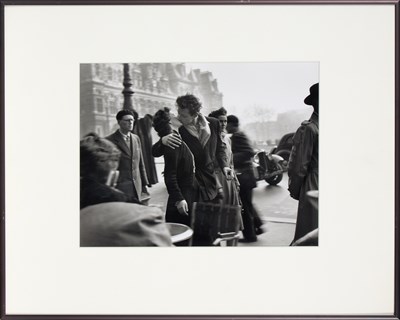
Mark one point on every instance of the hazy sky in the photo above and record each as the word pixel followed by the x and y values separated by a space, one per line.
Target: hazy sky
pixel 278 86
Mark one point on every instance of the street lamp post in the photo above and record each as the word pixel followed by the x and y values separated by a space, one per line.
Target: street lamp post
pixel 127 92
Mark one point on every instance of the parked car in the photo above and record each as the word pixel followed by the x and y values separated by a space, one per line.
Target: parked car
pixel 284 146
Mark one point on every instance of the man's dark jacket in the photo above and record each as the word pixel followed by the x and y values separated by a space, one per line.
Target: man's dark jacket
pixel 303 174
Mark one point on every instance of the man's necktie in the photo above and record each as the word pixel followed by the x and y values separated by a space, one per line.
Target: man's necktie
pixel 128 141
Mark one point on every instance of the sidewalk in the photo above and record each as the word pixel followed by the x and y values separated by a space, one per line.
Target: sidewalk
pixel 277 234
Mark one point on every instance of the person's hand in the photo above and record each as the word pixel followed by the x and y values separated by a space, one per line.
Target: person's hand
pixel 183 207
pixel 228 173
pixel 220 196
pixel 172 140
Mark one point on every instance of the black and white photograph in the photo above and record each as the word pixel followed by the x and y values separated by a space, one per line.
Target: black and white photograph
pixel 199 154
pixel 163 159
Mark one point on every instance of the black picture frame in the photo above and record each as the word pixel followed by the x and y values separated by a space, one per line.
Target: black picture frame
pixel 396 226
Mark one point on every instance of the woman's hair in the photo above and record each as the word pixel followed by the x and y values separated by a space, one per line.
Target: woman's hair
pixel 96 155
pixel 190 102
pixel 161 122
pixel 220 112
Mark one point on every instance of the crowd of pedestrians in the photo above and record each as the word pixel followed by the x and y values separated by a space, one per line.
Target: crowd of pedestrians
pixel 208 159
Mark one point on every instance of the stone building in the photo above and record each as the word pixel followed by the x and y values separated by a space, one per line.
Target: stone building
pixel 155 85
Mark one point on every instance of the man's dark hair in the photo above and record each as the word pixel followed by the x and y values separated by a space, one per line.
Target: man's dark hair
pixel 190 102
pixel 126 112
pixel 216 113
pixel 95 154
pixel 233 120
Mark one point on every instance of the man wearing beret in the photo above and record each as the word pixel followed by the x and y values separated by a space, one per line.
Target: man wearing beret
pixel 132 173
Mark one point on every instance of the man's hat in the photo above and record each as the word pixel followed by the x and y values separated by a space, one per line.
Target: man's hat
pixel 313 96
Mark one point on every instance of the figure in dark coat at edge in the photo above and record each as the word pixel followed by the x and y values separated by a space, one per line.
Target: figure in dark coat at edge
pixel 303 168
pixel 178 173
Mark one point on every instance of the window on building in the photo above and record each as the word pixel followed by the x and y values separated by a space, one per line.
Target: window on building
pixel 120 77
pixel 99 130
pixel 97 70
pixel 110 74
pixel 113 106
pixel 99 105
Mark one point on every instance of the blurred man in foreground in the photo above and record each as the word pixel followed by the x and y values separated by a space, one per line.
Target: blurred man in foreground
pixel 106 218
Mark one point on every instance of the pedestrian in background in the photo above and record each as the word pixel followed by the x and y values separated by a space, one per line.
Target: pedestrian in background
pixel 142 128
pixel 230 186
pixel 243 163
pixel 132 173
pixel 178 173
pixel 303 168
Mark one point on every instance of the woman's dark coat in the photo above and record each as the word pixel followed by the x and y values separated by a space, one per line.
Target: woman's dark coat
pixel 179 179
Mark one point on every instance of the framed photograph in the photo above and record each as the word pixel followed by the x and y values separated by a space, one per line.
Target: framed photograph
pixel 163 160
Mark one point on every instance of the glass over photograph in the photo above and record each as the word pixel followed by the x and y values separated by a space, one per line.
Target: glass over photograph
pixel 199 154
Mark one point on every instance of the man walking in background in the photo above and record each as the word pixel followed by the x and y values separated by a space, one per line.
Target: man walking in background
pixel 242 161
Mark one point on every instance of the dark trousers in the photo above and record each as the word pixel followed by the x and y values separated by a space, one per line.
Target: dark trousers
pixel 251 220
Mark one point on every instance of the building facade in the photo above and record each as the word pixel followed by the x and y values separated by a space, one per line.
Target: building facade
pixel 155 86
